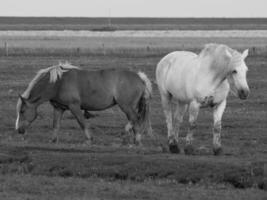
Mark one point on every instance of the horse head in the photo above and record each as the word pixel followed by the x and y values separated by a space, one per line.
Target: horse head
pixel 26 114
pixel 238 74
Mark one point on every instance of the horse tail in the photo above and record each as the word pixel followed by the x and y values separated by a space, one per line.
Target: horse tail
pixel 144 104
pixel 148 89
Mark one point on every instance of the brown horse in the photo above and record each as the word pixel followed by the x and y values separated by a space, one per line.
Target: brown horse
pixel 68 87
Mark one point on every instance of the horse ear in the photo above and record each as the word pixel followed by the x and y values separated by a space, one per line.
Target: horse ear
pixel 23 99
pixel 228 53
pixel 245 54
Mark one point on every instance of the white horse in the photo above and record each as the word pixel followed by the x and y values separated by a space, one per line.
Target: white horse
pixel 195 81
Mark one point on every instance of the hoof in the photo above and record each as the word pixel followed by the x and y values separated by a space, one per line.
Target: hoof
pixel 54 140
pixel 173 147
pixel 125 142
pixel 126 139
pixel 88 115
pixel 217 151
pixel 138 144
pixel 164 148
pixel 203 151
pixel 189 150
pixel 130 146
pixel 88 142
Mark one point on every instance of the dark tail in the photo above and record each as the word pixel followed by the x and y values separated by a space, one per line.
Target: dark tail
pixel 144 105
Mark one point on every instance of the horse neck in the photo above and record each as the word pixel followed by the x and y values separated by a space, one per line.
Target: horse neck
pixel 41 92
pixel 214 71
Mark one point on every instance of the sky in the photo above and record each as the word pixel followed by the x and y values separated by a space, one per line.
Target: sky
pixel 134 8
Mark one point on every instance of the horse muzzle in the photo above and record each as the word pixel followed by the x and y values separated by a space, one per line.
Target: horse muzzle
pixel 243 93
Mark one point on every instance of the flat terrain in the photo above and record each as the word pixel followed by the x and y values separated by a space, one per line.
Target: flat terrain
pixel 131 44
pixel 31 167
pixel 102 24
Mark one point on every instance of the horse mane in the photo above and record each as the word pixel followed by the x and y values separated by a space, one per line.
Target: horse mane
pixel 56 72
pixel 208 49
pixel 211 50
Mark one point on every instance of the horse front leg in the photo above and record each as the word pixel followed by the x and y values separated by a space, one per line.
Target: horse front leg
pixel 58 113
pixel 193 114
pixel 77 112
pixel 217 127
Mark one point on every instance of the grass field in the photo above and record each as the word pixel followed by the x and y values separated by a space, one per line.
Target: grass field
pixel 31 167
pixel 130 43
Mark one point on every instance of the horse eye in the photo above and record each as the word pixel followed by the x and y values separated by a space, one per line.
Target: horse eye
pixel 234 71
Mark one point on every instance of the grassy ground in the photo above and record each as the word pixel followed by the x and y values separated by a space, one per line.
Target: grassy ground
pixel 53 188
pixel 69 170
pixel 143 44
pixel 54 42
pixel 119 46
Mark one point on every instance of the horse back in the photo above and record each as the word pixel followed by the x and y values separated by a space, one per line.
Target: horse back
pixel 175 73
pixel 128 88
pixel 100 89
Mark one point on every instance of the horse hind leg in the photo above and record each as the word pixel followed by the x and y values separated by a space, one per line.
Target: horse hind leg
pixel 167 109
pixel 77 112
pixel 178 117
pixel 136 130
pixel 136 126
pixel 88 115
pixel 150 130
pixel 128 133
pixel 133 125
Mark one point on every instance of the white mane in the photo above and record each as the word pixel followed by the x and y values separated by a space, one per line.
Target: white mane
pixel 56 72
pixel 217 50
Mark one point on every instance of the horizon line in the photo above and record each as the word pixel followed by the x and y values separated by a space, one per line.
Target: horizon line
pixel 182 17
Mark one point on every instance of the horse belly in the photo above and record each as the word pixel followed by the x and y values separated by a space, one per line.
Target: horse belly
pixel 179 84
pixel 97 100
pixel 182 95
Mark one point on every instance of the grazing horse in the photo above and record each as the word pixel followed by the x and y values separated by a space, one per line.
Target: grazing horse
pixel 194 81
pixel 68 87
